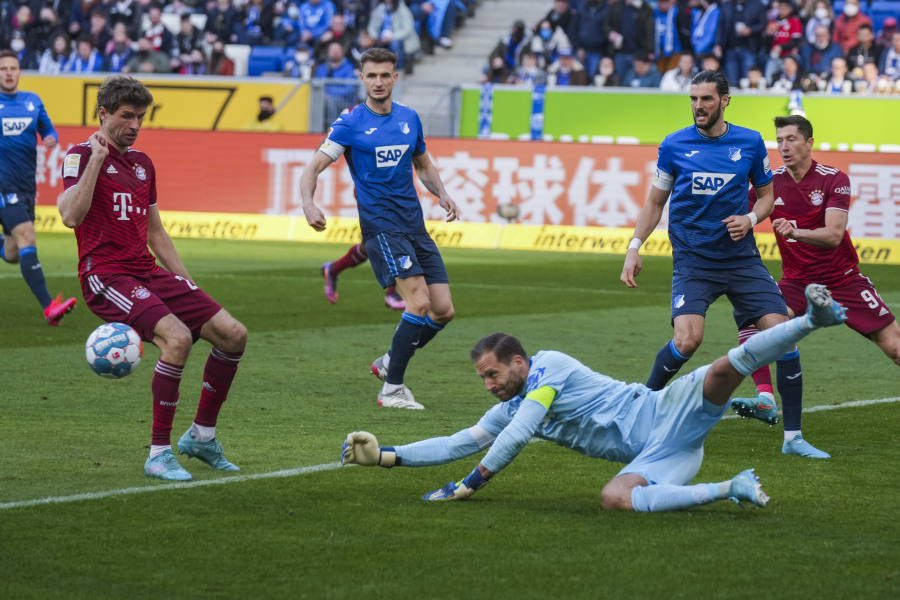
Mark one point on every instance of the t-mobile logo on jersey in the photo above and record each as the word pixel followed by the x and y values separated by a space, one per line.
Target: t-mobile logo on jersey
pixel 122 205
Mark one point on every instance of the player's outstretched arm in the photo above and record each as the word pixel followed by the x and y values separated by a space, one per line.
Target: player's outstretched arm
pixel 649 218
pixel 431 179
pixel 739 225
pixel 361 448
pixel 161 245
pixel 75 202
pixel 829 236
pixel 308 181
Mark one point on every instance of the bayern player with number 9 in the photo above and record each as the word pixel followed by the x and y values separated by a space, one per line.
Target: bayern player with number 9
pixel 110 201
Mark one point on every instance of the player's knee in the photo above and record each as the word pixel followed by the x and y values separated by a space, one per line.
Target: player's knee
pixel 24 235
pixel 236 338
pixel 176 342
pixel 418 305
pixel 445 315
pixel 687 344
pixel 615 499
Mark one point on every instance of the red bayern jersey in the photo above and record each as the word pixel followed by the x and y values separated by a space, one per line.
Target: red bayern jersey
pixel 113 236
pixel 804 204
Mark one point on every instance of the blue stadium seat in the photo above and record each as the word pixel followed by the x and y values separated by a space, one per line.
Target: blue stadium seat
pixel 880 10
pixel 265 59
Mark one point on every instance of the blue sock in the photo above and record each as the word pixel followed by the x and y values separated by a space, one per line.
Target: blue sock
pixel 34 274
pixel 662 498
pixel 789 378
pixel 431 329
pixel 3 248
pixel 406 340
pixel 668 362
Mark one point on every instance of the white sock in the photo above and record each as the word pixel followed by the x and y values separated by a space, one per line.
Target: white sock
pixel 157 450
pixel 790 435
pixel 201 433
pixel 390 388
pixel 387 360
pixel 768 396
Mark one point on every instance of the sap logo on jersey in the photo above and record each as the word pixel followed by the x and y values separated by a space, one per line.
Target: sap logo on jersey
pixel 16 126
pixel 708 184
pixel 389 156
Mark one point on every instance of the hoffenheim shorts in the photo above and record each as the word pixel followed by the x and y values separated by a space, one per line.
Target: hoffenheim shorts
pixel 751 290
pixel 15 209
pixel 398 255
pixel 681 421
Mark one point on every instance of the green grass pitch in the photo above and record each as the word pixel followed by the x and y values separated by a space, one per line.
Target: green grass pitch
pixel 830 531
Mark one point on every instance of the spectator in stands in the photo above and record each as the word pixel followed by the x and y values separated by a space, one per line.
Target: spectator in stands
pixel 510 46
pixel 606 74
pixel 392 26
pixel 821 15
pixel 363 42
pixel 100 32
pixel 888 29
pixel 147 60
pixel 839 80
pixel 561 15
pixel 356 14
pixel 547 42
pixel 288 30
pixel 315 19
pixel 740 36
pixel 265 120
pixel 679 78
pixel 629 27
pixel 162 38
pixel 567 71
pixel 529 73
pixel 890 60
pixel 119 51
pixel 816 59
pixel 189 38
pixel 55 58
pixel 49 26
pixel 302 63
pixel 221 21
pixel 256 23
pixel 866 51
pixel 847 25
pixel 192 64
pixel 588 37
pixel 667 43
pixel 339 33
pixel 422 11
pixel 129 12
pixel 783 36
pixel 497 71
pixel 710 62
pixel 28 60
pixel 643 73
pixel 790 78
pixel 755 81
pixel 79 15
pixel 337 97
pixel 218 63
pixel 871 82
pixel 703 33
pixel 23 22
pixel 86 58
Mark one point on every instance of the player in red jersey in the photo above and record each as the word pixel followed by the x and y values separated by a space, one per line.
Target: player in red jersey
pixel 110 201
pixel 810 222
pixel 355 256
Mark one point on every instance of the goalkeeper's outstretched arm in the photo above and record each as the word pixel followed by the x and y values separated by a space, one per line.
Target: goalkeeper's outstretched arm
pixel 361 448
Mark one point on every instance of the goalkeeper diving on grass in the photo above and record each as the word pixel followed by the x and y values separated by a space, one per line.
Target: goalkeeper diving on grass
pixel 659 435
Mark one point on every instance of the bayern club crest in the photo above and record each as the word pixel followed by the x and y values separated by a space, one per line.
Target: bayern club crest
pixel 141 293
pixel 817 197
pixel 140 172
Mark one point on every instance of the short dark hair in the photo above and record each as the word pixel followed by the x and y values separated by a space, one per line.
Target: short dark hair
pixel 710 76
pixel 864 26
pixel 802 123
pixel 185 17
pixel 755 68
pixel 122 89
pixel 642 55
pixel 8 54
pixel 86 39
pixel 503 345
pixel 377 55
pixel 266 99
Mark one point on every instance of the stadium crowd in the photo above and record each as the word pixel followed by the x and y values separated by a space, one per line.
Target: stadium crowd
pixel 324 37
pixel 808 46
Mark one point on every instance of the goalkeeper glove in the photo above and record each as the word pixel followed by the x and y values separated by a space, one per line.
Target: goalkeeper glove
pixel 361 448
pixel 459 490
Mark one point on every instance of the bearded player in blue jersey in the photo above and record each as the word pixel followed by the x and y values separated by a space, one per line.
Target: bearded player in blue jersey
pixel 658 434
pixel 381 141
pixel 707 169
pixel 23 117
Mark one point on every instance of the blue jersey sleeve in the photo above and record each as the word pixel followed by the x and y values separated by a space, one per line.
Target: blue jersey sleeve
pixel 761 171
pixel 515 436
pixel 45 126
pixel 665 167
pixel 497 417
pixel 420 138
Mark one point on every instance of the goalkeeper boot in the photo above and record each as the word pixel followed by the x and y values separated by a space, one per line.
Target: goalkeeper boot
pixel 746 486
pixel 756 408
pixel 823 311
pixel 165 466
pixel 380 367
pixel 58 308
pixel 330 283
pixel 801 447
pixel 399 398
pixel 209 452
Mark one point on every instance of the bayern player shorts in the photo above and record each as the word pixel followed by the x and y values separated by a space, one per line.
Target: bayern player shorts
pixel 15 209
pixel 751 290
pixel 681 421
pixel 142 300
pixel 398 255
pixel 866 311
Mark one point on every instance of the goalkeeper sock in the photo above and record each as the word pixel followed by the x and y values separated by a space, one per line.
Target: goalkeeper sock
pixel 790 388
pixel 431 329
pixel 762 377
pixel 403 346
pixel 668 361
pixel 768 346
pixel 662 498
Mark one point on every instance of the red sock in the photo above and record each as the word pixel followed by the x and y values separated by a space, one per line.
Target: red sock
pixel 389 290
pixel 762 377
pixel 166 379
pixel 217 378
pixel 353 258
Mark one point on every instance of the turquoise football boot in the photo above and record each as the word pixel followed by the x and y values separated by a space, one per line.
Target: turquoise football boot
pixel 209 452
pixel 822 310
pixel 746 486
pixel 801 447
pixel 166 467
pixel 756 408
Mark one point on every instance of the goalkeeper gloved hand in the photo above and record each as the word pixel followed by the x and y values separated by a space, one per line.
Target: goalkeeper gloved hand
pixel 458 490
pixel 361 448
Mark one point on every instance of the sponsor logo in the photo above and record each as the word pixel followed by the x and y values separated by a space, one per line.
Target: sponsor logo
pixel 405 262
pixel 404 127
pixel 692 152
pixel 161 403
pixel 708 184
pixel 795 376
pixel 675 370
pixel 141 293
pixel 389 156
pixel 102 345
pixel 816 197
pixel 779 201
pixel 16 126
pixel 140 172
pixel 842 190
pixel 883 311
pixel 734 154
pixel 111 170
pixel 678 302
pixel 70 168
pixel 208 387
pixel 122 204
pixel 369 132
pixel 766 166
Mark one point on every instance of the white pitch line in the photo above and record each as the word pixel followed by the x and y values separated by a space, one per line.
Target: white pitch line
pixel 306 470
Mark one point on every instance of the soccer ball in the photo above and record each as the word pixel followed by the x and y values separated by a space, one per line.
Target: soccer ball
pixel 114 350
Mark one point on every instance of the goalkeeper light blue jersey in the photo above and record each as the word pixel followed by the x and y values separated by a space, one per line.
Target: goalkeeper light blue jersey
pixel 709 179
pixel 590 413
pixel 379 151
pixel 22 118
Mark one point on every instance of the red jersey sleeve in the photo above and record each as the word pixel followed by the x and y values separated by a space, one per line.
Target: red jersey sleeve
pixel 838 196
pixel 74 164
